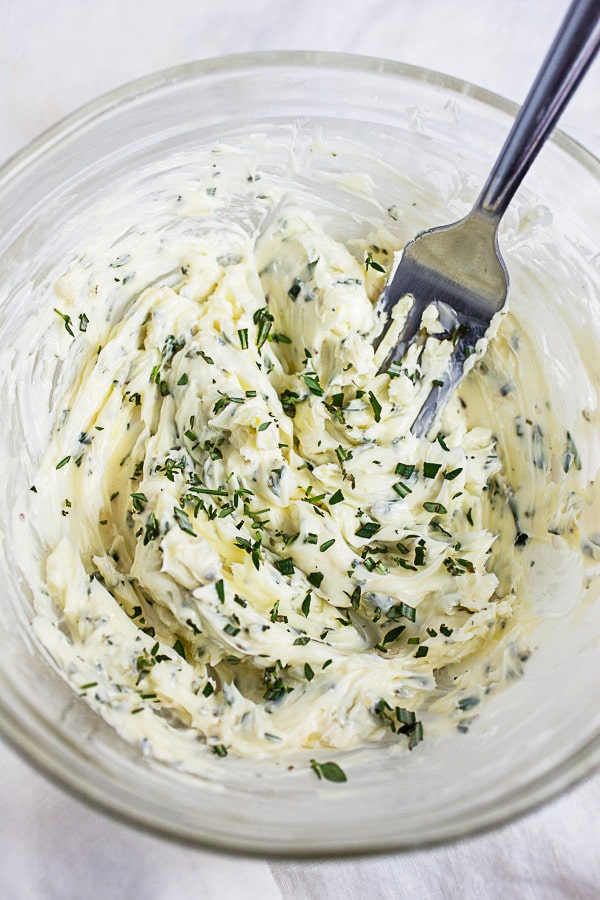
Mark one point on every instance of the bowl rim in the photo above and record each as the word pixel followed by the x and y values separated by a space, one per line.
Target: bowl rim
pixel 583 762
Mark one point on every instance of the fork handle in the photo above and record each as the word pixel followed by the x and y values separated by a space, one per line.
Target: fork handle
pixel 567 61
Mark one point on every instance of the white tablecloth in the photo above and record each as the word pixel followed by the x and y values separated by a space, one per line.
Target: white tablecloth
pixel 55 56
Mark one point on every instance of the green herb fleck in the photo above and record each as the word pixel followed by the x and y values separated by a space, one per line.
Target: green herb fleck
pixel 315 578
pixel 433 507
pixel 139 501
pixel 370 263
pixel 67 321
pixel 402 489
pixel 306 604
pixel 375 406
pixel 243 337
pixel 179 648
pixel 183 521
pixel 285 566
pixel 311 380
pixel 308 672
pixel 263 319
pixel 450 476
pixel 367 530
pixel 402 611
pixel 330 771
pixel 152 529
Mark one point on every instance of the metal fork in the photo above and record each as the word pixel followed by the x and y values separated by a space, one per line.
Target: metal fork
pixel 458 267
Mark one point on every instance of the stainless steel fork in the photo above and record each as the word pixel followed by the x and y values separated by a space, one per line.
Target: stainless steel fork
pixel 458 267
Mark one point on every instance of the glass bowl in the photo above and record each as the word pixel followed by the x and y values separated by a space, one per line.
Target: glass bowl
pixel 534 738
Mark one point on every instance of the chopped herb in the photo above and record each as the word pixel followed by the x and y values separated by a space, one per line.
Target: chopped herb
pixel 326 545
pixel 393 633
pixel 179 648
pixel 420 555
pixel 285 566
pixel 402 611
pixel 367 530
pixel 315 578
pixel 289 400
pixel 402 489
pixel 415 735
pixel 67 321
pixel 308 672
pixel 219 749
pixel 83 322
pixel 405 470
pixel 336 497
pixel 152 529
pixel 88 686
pixel 355 597
pixel 183 521
pixel 243 336
pixel 442 442
pixel 63 462
pixel 263 426
pixel 445 630
pixel 295 288
pixel 183 380
pixel 220 589
pixel 207 359
pixel 139 501
pixel 306 604
pixel 330 771
pixel 224 401
pixel 375 406
pixel 311 380
pixel 252 548
pixel 430 469
pixel 469 517
pixel 422 651
pixel 450 476
pixel 301 641
pixel 208 689
pixel 370 263
pixel 432 507
pixel 263 319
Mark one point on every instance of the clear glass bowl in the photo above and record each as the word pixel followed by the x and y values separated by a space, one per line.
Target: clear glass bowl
pixel 533 739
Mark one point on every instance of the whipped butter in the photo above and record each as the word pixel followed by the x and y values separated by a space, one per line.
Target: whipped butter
pixel 245 549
